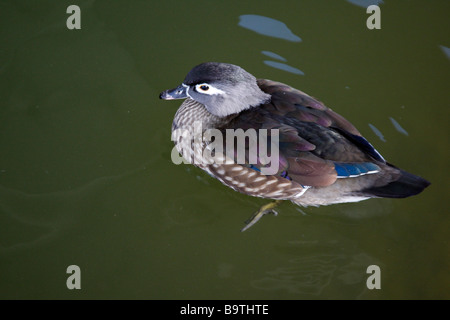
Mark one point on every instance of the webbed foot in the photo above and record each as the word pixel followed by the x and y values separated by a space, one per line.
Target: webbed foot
pixel 265 209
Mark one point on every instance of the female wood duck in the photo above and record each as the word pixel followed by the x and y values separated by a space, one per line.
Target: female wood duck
pixel 322 159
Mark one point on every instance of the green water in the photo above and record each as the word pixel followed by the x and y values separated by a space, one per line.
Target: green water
pixel 86 177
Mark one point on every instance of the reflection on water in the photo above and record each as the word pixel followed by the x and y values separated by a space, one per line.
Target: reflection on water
pixel 365 3
pixel 377 132
pixel 283 66
pixel 272 28
pixel 273 55
pixel 446 51
pixel 398 127
pixel 268 27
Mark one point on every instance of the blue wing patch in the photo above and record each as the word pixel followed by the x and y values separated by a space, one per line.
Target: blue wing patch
pixel 254 168
pixel 351 170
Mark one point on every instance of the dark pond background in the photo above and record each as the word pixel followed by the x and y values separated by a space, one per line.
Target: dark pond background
pixel 85 171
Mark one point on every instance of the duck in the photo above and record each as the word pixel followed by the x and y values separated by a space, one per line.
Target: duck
pixel 320 157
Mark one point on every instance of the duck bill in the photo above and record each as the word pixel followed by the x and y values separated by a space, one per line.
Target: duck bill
pixel 177 93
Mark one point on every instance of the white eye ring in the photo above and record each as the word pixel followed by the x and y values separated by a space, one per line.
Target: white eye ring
pixel 207 89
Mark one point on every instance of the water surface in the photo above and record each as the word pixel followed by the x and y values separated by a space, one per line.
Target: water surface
pixel 85 170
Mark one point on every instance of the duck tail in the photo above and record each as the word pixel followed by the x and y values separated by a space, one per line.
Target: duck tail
pixel 406 185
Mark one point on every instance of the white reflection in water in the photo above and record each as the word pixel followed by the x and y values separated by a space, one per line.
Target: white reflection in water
pixel 268 27
pixel 273 55
pixel 272 28
pixel 398 126
pixel 284 67
pixel 446 51
pixel 377 132
pixel 279 65
pixel 365 3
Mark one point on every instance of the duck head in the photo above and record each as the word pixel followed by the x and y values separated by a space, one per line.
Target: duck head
pixel 224 89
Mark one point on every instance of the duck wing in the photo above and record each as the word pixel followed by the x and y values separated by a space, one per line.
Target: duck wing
pixel 317 146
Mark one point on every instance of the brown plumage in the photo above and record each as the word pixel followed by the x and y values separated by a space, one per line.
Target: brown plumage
pixel 323 158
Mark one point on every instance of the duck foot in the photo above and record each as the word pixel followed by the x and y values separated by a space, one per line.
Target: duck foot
pixel 265 209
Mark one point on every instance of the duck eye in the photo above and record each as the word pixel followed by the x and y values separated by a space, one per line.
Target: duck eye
pixel 203 87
